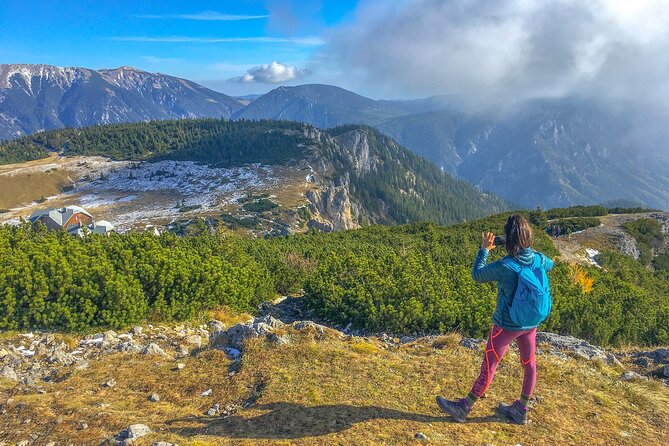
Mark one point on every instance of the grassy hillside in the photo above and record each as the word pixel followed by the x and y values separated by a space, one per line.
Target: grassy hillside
pixel 333 391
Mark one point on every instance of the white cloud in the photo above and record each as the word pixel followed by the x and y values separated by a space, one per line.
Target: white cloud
pixel 506 50
pixel 272 73
pixel 206 15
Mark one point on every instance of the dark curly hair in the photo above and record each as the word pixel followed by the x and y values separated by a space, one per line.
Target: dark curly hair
pixel 518 234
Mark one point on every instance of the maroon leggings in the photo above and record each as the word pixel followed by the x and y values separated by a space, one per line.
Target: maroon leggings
pixel 497 345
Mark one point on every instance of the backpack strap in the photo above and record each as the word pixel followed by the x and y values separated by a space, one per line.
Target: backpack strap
pixel 514 266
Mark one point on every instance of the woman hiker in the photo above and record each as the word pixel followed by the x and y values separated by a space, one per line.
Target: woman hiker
pixel 523 301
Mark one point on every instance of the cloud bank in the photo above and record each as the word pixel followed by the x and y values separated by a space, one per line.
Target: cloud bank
pixel 272 73
pixel 508 49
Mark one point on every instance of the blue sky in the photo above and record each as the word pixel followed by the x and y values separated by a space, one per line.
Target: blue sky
pixel 203 40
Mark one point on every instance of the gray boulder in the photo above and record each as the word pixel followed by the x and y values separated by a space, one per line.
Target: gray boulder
pixel 272 322
pixel 216 326
pixel 633 376
pixel 129 347
pixel 579 347
pixel 153 349
pixel 8 373
pixel 194 340
pixel 61 357
pixel 278 339
pixel 309 326
pixel 236 335
pixel 132 433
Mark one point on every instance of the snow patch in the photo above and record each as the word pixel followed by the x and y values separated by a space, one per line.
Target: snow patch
pixel 592 253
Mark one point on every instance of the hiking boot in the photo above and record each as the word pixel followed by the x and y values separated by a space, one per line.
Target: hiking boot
pixel 456 409
pixel 515 413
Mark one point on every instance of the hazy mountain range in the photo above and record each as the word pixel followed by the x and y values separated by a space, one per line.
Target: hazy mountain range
pixel 546 152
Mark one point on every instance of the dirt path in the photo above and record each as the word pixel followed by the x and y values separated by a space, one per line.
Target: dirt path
pixel 608 236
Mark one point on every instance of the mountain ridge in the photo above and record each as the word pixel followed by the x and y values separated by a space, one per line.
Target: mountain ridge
pixel 570 151
pixel 43 97
pixel 363 176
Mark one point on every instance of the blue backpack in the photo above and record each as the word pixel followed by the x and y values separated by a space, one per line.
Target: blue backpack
pixel 532 301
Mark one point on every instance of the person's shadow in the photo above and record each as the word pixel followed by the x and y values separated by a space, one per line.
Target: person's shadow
pixel 290 420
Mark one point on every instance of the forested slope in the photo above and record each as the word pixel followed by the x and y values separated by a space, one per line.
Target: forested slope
pixel 402 279
pixel 388 183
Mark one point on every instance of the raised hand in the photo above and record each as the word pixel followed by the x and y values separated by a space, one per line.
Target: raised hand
pixel 488 240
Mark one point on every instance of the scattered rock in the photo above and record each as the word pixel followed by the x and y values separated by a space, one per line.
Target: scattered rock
pixel 612 360
pixel 8 373
pixel 420 436
pixel 233 353
pixel 278 339
pixel 61 357
pixel 659 356
pixel 28 380
pixel 181 366
pixel 665 371
pixel 471 343
pixel 213 411
pixel 129 347
pixel 153 349
pixel 132 433
pixel 154 398
pixel 163 443
pixel 195 340
pixel 216 326
pixel 309 326
pixel 641 361
pixel 109 383
pixel 569 343
pixel 633 376
pixel 207 392
pixel 269 320
pixel 137 330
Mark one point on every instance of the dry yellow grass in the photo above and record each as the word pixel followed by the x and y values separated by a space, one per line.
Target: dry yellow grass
pixel 334 392
pixel 228 317
pixel 450 340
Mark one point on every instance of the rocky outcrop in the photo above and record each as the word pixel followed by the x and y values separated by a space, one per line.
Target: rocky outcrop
pixel 332 209
pixel 627 245
pixel 34 359
pixel 356 148
pixel 267 327
pixel 579 347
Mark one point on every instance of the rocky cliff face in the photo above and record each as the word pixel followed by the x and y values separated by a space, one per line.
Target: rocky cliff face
pixel 332 208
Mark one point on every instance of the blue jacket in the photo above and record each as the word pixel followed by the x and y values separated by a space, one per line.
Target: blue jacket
pixel 507 281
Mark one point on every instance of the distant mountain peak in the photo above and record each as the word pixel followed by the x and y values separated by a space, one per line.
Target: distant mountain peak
pixel 37 97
